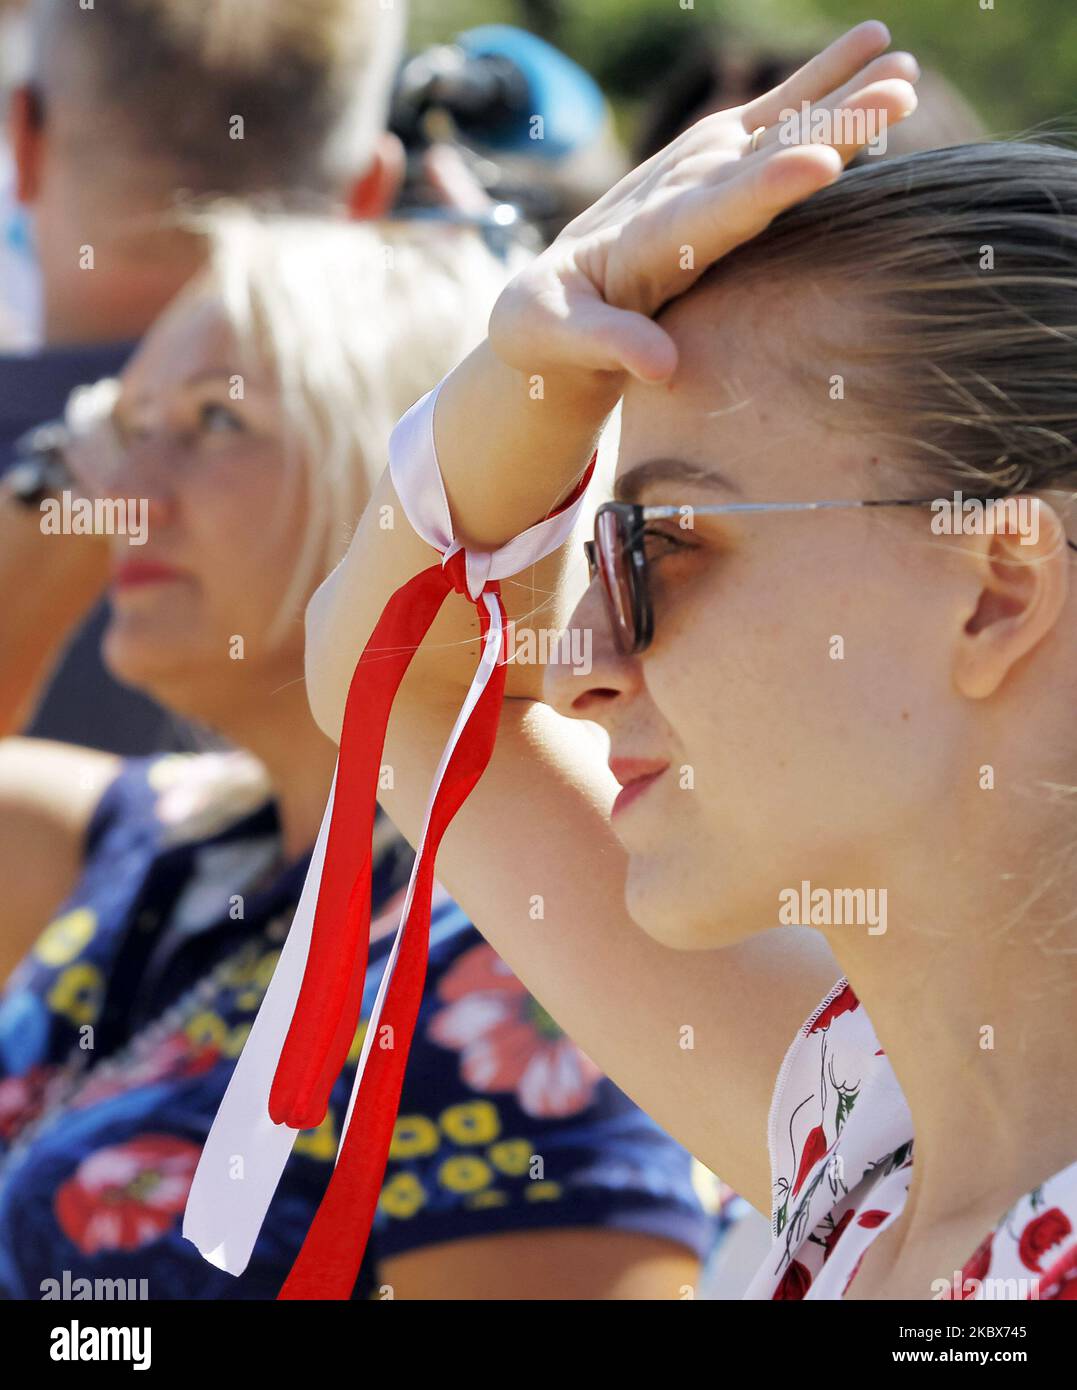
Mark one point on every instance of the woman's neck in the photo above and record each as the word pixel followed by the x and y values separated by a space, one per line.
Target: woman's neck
pixel 280 731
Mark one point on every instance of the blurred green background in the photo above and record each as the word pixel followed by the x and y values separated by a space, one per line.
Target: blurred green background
pixel 1016 63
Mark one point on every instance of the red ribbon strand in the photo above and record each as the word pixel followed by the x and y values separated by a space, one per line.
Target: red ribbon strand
pixel 330 999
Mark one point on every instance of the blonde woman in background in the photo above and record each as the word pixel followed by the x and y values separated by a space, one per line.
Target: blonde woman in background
pixel 250 424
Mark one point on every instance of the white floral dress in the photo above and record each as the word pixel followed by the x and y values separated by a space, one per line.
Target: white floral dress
pixel 841 1150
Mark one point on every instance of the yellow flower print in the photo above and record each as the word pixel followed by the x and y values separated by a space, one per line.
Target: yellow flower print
pixel 357 1043
pixel 263 970
pixel 63 939
pixel 319 1143
pixel 492 1197
pixel 472 1122
pixel 511 1156
pixel 543 1191
pixel 208 1030
pixel 402 1196
pixel 240 971
pixel 465 1173
pixel 237 1037
pixel 256 980
pixel 77 993
pixel 414 1136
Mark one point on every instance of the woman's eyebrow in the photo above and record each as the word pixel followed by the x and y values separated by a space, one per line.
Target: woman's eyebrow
pixel 630 486
pixel 214 374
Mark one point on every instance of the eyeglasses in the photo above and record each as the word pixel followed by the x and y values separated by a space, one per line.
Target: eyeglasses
pixel 618 554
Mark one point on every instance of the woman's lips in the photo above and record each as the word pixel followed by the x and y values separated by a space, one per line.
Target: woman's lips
pixel 635 776
pixel 136 573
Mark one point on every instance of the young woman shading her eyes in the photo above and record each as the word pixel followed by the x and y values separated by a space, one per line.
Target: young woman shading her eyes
pixel 794 695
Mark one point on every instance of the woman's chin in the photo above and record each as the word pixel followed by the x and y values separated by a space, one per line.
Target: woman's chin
pixel 148 662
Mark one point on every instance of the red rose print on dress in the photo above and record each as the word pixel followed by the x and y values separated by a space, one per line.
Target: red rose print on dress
pixel 853 1273
pixel 1059 1284
pixel 127 1196
pixel 507 1042
pixel 976 1268
pixel 835 1235
pixel 22 1098
pixel 795 1283
pixel 871 1219
pixel 1040 1234
pixel 843 1003
pixel 980 1261
pixel 815 1147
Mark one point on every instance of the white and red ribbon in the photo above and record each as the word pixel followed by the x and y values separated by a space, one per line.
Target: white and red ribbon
pixel 300 1040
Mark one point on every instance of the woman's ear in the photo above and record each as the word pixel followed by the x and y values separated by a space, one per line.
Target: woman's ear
pixel 373 194
pixel 1024 567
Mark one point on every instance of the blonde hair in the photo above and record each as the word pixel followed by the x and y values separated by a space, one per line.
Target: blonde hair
pixel 353 322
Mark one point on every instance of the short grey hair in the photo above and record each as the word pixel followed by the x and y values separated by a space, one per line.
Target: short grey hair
pixel 137 84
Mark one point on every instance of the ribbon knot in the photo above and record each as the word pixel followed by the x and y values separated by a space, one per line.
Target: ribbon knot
pixel 454 566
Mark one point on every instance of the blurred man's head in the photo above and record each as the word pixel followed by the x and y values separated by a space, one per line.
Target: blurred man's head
pixel 133 103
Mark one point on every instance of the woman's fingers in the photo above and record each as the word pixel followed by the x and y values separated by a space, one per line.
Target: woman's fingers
pixel 839 63
pixel 850 124
pixel 900 65
pixel 891 101
pixel 606 339
pixel 726 211
pixel 698 193
pixel 717 219
pixel 559 319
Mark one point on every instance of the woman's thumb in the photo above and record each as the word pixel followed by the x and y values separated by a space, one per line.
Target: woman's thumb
pixel 609 339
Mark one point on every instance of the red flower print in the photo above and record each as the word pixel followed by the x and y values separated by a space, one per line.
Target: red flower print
pixel 978 1264
pixel 853 1274
pixel 814 1148
pixel 174 1057
pixel 1060 1282
pixel 506 1041
pixel 843 1003
pixel 795 1283
pixel 871 1219
pixel 1039 1235
pixel 834 1236
pixel 127 1196
pixel 21 1098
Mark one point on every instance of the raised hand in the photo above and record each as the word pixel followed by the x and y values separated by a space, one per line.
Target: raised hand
pixel 587 302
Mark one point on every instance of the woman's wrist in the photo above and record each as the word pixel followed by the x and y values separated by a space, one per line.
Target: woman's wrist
pixel 511 444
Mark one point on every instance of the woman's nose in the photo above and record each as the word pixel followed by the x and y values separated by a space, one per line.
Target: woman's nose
pixel 139 470
pixel 595 684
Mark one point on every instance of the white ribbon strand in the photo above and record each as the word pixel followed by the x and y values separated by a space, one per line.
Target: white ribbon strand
pixel 245 1153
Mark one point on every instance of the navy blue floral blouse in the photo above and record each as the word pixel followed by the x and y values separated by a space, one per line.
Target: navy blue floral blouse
pixel 119 1031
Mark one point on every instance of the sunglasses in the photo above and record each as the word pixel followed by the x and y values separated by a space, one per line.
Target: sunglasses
pixel 618 554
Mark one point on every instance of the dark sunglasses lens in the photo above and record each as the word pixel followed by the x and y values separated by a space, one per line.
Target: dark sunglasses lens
pixel 614 565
